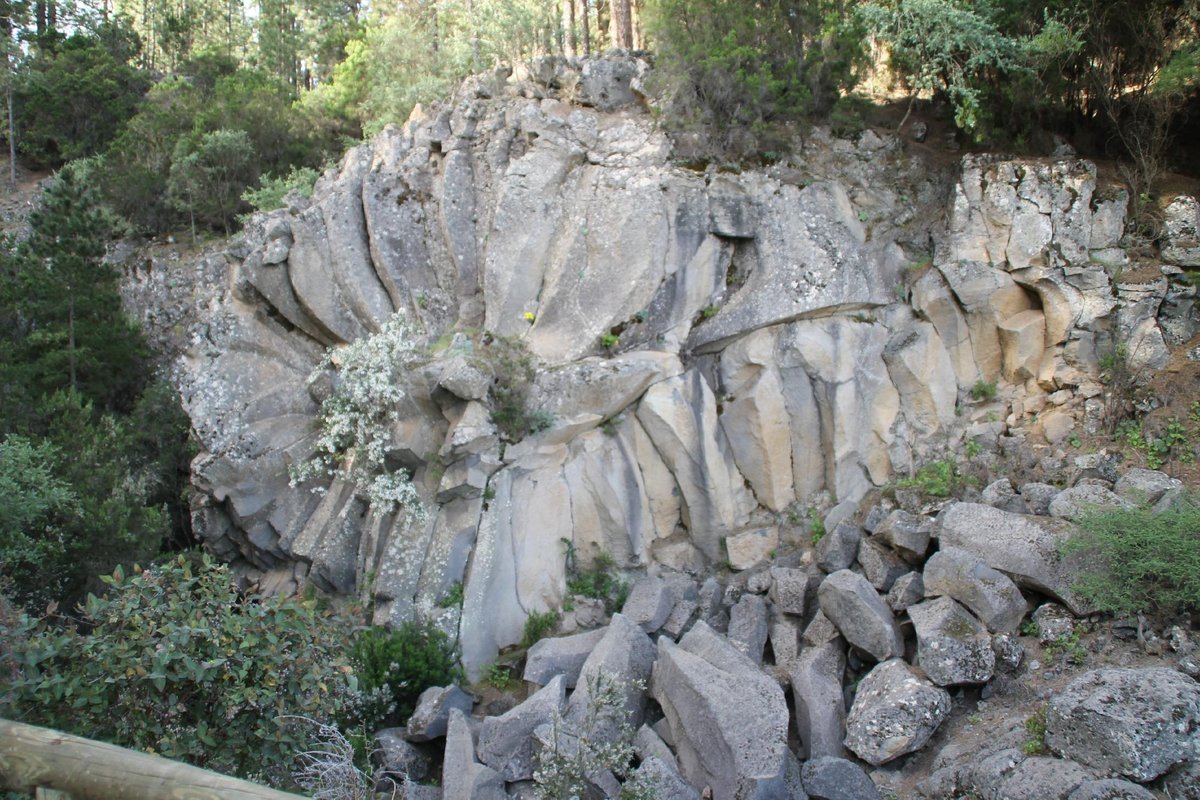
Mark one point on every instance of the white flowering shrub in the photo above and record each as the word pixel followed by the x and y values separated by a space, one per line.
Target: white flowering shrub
pixel 354 418
pixel 601 740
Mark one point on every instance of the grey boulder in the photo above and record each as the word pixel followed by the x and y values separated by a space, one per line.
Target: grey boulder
pixel 1136 722
pixel 907 533
pixel 507 743
pixel 957 573
pixel 1025 548
pixel 952 646
pixel 562 655
pixel 820 704
pixel 625 655
pixel 464 778
pixel 727 719
pixel 857 610
pixel 1086 498
pixel 748 628
pixel 649 603
pixel 1110 789
pixel 895 712
pixel 432 714
pixel 832 778
pixel 1145 486
pixel 838 548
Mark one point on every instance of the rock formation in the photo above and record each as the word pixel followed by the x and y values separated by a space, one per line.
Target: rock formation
pixel 717 352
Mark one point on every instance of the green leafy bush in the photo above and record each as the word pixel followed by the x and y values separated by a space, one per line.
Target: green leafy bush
pixel 743 67
pixel 940 478
pixel 208 178
pixel 602 740
pixel 271 190
pixel 848 117
pixel 1139 561
pixel 512 367
pixel 983 390
pixel 599 582
pixel 538 625
pixel 173 660
pixel 73 98
pixel 394 667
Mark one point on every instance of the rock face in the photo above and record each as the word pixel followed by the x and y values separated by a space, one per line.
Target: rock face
pixel 707 348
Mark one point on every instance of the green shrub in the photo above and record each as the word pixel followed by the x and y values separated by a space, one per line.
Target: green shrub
pixel 355 431
pixel 173 660
pixel 983 390
pixel 403 663
pixel 817 526
pixel 271 190
pixel 937 479
pixel 1035 726
pixel 538 625
pixel 1139 561
pixel 848 117
pixel 512 367
pixel 601 741
pixel 600 582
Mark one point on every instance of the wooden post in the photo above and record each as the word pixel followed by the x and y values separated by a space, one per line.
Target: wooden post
pixel 32 757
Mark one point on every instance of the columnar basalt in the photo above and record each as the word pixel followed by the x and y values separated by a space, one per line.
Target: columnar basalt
pixel 713 348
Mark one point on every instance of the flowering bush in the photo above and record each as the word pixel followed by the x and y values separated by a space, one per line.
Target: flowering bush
pixel 354 436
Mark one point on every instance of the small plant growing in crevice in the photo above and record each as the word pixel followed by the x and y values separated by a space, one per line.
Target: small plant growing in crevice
pixel 937 479
pixel 513 369
pixel 454 596
pixel 817 526
pixel 500 676
pixel 1067 645
pixel 983 390
pixel 599 582
pixel 1035 726
pixel 539 625
pixel 609 340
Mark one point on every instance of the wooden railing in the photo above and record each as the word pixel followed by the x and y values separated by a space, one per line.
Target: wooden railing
pixel 40 759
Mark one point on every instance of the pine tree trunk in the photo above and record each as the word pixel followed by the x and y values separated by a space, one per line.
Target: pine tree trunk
pixel 569 26
pixel 621 33
pixel 586 25
pixel 602 15
pixel 71 335
pixel 12 141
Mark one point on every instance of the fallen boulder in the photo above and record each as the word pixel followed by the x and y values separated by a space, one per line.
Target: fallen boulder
pixel 894 712
pixel 1026 548
pixel 728 720
pixel 853 605
pixel 952 646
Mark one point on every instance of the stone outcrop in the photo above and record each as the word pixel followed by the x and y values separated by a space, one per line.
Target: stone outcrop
pixel 709 349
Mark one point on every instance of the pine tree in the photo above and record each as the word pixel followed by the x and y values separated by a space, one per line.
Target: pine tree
pixel 59 302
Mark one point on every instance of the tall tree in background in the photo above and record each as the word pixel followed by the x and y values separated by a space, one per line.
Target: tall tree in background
pixel 70 332
pixel 621 34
